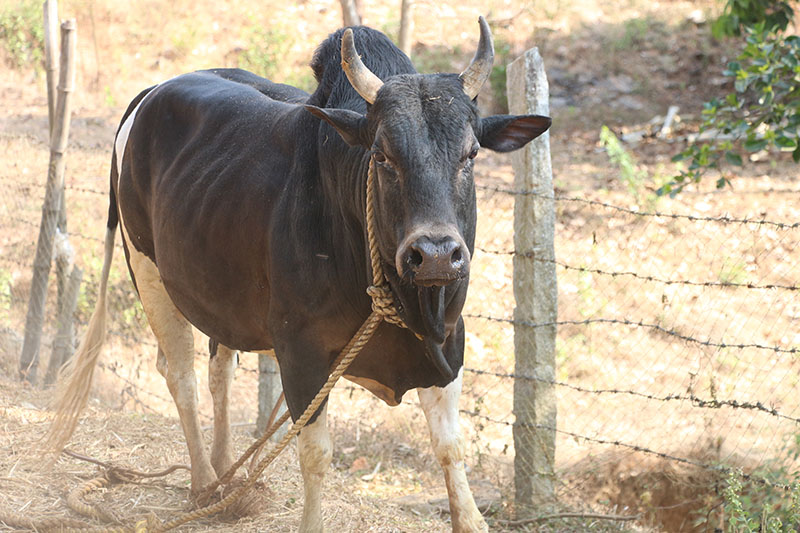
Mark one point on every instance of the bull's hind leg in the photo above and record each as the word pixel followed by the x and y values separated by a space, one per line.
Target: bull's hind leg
pixel 176 345
pixel 316 450
pixel 220 377
pixel 441 410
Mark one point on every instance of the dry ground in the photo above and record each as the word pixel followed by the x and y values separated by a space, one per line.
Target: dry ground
pixel 617 63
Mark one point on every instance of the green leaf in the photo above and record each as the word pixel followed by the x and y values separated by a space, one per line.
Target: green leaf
pixel 741 85
pixel 755 145
pixel 733 158
pixel 664 189
pixel 785 143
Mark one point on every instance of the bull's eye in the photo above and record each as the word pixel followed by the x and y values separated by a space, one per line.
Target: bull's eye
pixel 379 156
pixel 473 153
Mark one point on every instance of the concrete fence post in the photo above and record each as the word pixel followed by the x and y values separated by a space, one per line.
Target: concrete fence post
pixel 269 390
pixel 536 296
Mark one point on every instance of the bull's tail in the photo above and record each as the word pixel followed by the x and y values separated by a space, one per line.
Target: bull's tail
pixel 75 378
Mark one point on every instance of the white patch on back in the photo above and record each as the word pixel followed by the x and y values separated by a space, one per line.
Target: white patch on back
pixel 144 269
pixel 119 151
pixel 122 138
pixel 125 129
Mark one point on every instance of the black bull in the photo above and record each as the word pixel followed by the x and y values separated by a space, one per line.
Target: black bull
pixel 243 214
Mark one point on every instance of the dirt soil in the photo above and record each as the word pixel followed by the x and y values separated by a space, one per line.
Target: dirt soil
pixel 620 64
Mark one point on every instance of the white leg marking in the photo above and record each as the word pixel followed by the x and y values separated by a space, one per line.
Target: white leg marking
pixel 220 377
pixel 315 450
pixel 175 342
pixel 441 410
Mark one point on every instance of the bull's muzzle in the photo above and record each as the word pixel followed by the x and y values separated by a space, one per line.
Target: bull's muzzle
pixel 433 260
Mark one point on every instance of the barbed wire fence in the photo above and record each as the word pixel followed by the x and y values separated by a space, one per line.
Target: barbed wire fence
pixel 677 344
pixel 677 347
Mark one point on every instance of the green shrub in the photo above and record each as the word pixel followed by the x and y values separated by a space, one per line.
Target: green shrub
pixel 6 286
pixel 438 58
pixel 22 34
pixel 266 51
pixel 630 174
pixel 763 112
pixel 750 509
pixel 740 14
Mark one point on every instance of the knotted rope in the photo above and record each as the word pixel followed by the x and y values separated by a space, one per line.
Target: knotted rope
pixel 379 291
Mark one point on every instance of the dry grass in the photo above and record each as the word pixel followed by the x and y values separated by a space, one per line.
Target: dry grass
pixel 151 442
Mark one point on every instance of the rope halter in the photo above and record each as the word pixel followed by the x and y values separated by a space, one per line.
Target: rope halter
pixel 379 291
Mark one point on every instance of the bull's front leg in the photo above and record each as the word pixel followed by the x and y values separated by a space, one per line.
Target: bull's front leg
pixel 315 450
pixel 441 410
pixel 220 377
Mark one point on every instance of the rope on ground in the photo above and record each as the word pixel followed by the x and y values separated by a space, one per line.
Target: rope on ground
pixel 20 521
pixel 560 516
pixel 121 473
pixel 98 512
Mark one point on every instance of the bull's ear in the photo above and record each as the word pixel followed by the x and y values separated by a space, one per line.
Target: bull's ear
pixel 504 133
pixel 352 126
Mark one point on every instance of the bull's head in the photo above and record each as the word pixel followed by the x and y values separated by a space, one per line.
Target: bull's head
pixel 423 132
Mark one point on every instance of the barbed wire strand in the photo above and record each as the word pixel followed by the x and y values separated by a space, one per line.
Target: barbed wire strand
pixel 721 219
pixel 640 323
pixel 635 447
pixel 596 440
pixel 655 279
pixel 563 198
pixel 713 403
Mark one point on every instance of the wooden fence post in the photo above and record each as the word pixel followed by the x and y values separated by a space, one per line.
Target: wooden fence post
pixel 350 13
pixel 51 55
pixel 29 359
pixel 406 26
pixel 68 277
pixel 269 389
pixel 63 341
pixel 536 296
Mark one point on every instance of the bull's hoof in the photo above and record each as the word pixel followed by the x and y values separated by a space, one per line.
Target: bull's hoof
pixel 250 503
pixel 470 523
pixel 205 496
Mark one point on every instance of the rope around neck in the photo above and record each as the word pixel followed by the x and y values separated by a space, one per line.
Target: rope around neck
pixel 379 291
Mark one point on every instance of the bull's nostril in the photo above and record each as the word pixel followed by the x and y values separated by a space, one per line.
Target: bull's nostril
pixel 415 259
pixel 456 257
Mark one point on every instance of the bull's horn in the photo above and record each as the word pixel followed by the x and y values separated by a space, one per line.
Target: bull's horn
pixel 361 78
pixel 479 69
